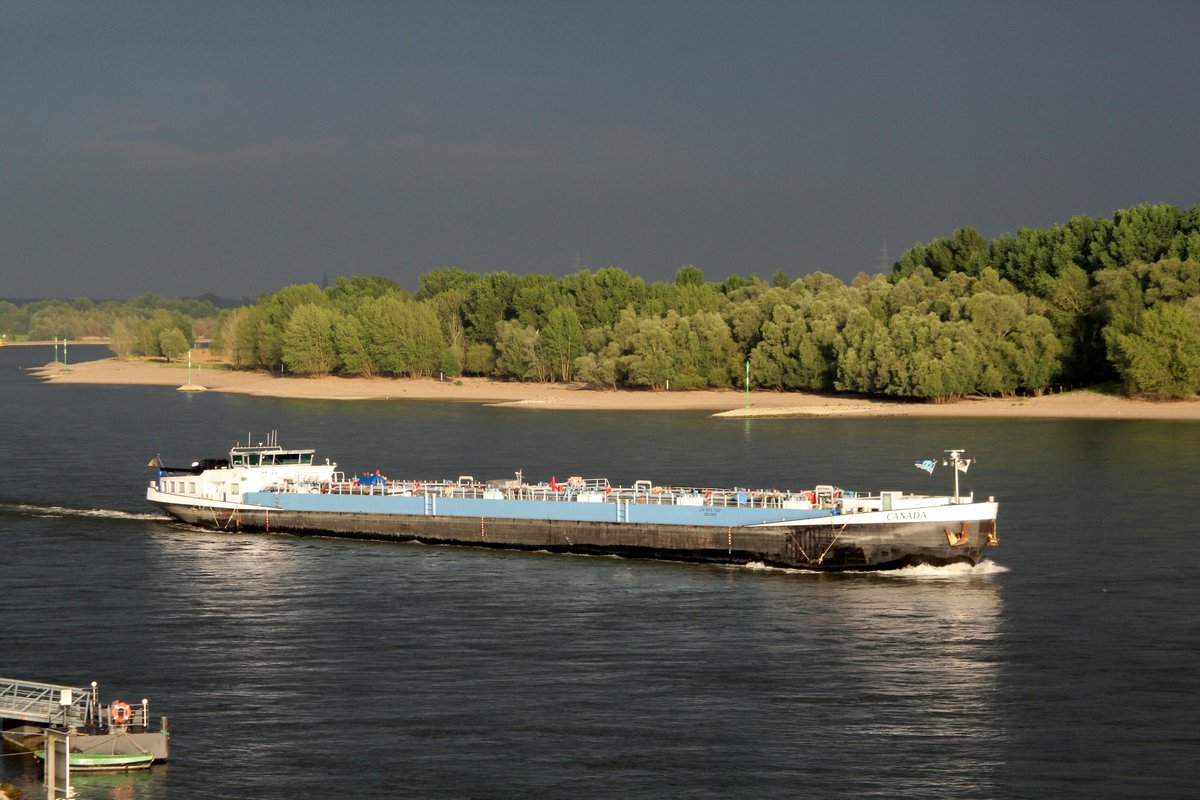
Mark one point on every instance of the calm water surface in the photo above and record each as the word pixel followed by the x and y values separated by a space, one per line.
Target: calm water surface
pixel 1064 666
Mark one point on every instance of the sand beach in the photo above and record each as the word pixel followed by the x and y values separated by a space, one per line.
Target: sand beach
pixel 722 403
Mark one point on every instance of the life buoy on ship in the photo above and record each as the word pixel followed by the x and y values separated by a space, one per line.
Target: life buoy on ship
pixel 121 712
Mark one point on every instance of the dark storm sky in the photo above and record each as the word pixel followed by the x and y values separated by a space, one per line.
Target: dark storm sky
pixel 181 148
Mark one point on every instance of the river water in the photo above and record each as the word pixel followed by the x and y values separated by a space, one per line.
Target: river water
pixel 1063 666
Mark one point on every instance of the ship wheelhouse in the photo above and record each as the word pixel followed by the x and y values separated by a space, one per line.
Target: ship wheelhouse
pixel 270 456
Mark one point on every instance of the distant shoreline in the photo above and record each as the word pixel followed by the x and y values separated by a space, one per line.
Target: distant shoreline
pixel 51 343
pixel 726 403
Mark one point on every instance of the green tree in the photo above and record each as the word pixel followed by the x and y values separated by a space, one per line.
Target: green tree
pixel 1159 356
pixel 448 364
pixel 1168 280
pixel 350 342
pixel 704 352
pixel 935 360
pixel 534 297
pixel 348 294
pixel 10 313
pixel 598 370
pixel 1068 297
pixel 309 344
pixel 488 302
pixel 449 306
pixel 225 338
pixel 240 337
pixel 122 338
pixel 172 343
pixel 519 352
pixel 1142 233
pixel 866 357
pixel 276 312
pixel 445 279
pixel 480 359
pixel 1033 354
pixel 150 332
pixel 617 290
pixel 402 337
pixel 689 275
pixel 745 320
pixel 650 358
pixel 562 341
pixel 795 352
pixel 969 251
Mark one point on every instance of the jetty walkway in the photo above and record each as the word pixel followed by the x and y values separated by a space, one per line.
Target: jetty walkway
pixel 48 704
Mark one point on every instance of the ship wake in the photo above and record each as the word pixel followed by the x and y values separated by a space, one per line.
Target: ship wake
pixel 16 508
pixel 919 572
pixel 948 572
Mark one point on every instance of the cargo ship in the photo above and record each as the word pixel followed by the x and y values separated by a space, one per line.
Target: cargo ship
pixel 268 488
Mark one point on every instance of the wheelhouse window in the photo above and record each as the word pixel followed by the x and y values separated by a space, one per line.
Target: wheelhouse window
pixel 235 488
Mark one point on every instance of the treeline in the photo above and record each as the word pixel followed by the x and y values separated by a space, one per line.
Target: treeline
pixel 916 336
pixel 1088 302
pixel 147 325
pixel 1093 301
pixel 1120 293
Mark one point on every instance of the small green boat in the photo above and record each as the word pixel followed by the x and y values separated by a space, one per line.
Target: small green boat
pixel 104 762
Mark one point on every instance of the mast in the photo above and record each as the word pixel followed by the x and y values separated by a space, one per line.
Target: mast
pixel 953 459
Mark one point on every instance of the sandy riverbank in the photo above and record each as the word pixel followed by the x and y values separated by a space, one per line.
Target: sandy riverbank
pixel 726 403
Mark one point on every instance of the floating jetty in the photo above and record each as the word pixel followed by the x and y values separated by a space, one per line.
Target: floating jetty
pixel 97 729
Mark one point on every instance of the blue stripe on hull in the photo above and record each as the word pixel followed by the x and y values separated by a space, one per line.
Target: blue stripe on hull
pixel 644 513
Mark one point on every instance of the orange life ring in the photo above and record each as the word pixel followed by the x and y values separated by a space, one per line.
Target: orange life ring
pixel 121 712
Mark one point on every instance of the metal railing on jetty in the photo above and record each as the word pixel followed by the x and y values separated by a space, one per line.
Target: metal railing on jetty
pixel 590 490
pixel 45 703
pixel 65 706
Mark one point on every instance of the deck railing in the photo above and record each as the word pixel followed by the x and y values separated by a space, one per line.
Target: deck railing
pixel 595 491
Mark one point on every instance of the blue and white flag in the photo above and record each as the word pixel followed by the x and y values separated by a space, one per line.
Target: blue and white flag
pixel 927 465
